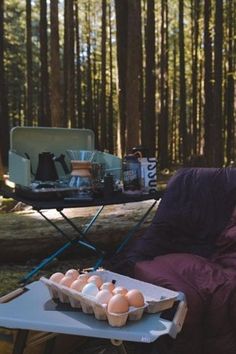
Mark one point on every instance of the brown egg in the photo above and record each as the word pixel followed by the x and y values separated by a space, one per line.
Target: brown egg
pixel 108 285
pixel 78 284
pixel 73 273
pixel 66 281
pixel 84 276
pixel 135 298
pixel 120 290
pixel 96 280
pixel 103 296
pixel 56 277
pixel 118 304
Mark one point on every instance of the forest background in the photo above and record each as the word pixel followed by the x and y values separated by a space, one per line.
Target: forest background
pixel 156 73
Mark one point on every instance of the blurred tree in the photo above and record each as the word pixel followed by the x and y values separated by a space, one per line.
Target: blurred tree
pixel 103 143
pixel 230 84
pixel 208 87
pixel 78 68
pixel 55 89
pixel 217 158
pixel 182 56
pixel 133 74
pixel 44 104
pixel 29 67
pixel 163 124
pixel 4 129
pixel 121 37
pixel 111 142
pixel 69 65
pixel 195 16
pixel 184 148
pixel 149 118
pixel 89 119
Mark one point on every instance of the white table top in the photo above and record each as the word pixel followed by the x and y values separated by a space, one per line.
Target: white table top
pixel 34 310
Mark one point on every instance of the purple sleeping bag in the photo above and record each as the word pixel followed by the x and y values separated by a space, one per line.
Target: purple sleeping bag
pixel 191 247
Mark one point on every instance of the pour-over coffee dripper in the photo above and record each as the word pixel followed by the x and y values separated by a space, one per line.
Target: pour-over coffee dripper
pixel 81 155
pixel 81 178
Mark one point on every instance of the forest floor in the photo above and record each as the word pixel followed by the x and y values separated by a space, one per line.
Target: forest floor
pixel 26 239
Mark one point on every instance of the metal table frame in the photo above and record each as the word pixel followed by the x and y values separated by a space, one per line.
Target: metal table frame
pixel 80 238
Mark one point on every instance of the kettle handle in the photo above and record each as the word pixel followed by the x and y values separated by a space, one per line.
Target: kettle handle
pixel 31 170
pixel 62 161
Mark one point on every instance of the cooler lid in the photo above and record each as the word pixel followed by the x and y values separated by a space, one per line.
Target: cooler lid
pixel 39 139
pixel 26 143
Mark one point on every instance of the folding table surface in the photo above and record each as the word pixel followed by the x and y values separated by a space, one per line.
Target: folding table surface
pixel 64 203
pixel 34 310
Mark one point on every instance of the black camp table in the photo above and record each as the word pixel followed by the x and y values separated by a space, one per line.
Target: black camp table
pixel 80 239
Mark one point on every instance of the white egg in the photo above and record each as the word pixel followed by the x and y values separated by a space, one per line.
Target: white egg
pixel 90 289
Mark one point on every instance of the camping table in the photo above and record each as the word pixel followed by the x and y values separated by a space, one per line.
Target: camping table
pixel 34 310
pixel 80 239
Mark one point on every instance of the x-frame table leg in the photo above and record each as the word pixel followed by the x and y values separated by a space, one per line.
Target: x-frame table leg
pixel 81 240
pixel 20 341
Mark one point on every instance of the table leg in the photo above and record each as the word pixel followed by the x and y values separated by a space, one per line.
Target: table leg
pixel 119 345
pixel 20 341
pixel 80 240
pixel 49 346
pixel 82 233
pixel 122 349
pixel 127 237
pixel 130 234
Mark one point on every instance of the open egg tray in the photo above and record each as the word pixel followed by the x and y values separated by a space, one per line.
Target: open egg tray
pixel 157 298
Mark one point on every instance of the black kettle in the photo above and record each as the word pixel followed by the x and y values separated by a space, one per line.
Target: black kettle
pixel 46 170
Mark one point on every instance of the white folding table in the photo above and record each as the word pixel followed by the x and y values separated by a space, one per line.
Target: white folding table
pixel 33 309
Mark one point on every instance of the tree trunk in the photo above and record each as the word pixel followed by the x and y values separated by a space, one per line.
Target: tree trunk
pixel 110 105
pixel 69 67
pixel 89 123
pixel 121 34
pixel 149 120
pixel 174 146
pixel 163 125
pixel 218 157
pixel 103 142
pixel 78 68
pixel 44 106
pixel 65 65
pixel 182 88
pixel 208 104
pixel 230 90
pixel 56 107
pixel 96 95
pixel 4 131
pixel 195 19
pixel 29 68
pixel 133 74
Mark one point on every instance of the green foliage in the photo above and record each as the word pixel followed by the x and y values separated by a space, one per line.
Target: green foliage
pixel 90 32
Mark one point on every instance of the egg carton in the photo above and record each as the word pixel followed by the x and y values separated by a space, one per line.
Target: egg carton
pixel 157 299
pixel 89 305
